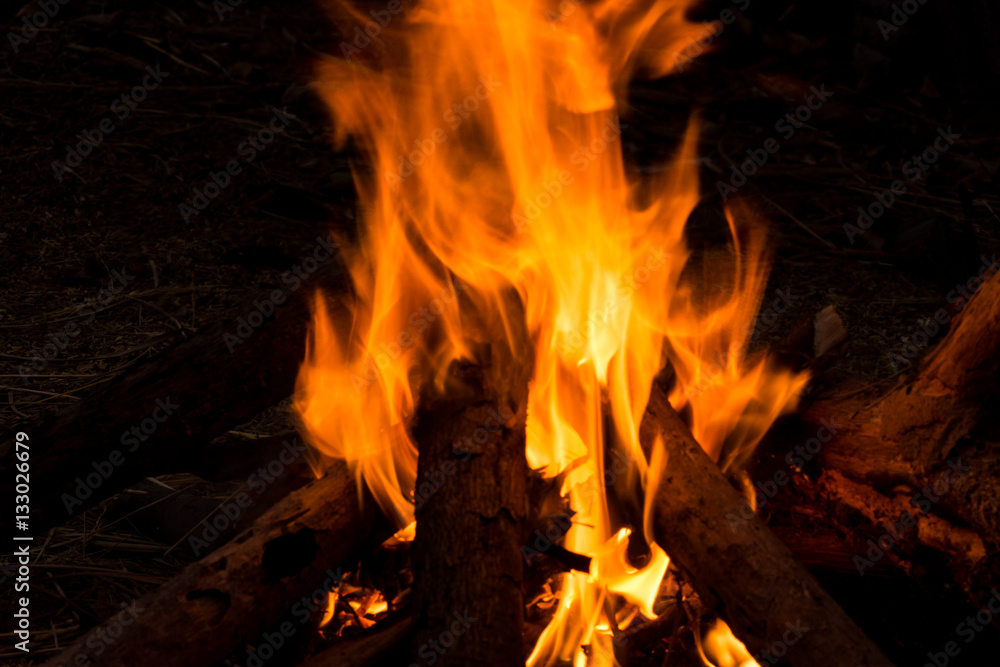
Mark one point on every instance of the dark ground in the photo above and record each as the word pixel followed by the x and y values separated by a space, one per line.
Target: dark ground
pixel 62 240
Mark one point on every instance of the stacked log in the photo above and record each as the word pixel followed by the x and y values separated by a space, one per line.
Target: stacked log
pixel 466 556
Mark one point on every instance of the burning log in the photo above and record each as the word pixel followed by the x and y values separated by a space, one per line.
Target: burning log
pixel 283 567
pixel 772 603
pixel 155 418
pixel 471 507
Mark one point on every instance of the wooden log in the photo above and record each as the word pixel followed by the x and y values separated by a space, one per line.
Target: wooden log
pixel 738 565
pixel 955 383
pixel 387 642
pixel 244 589
pixel 826 522
pixel 467 562
pixel 834 524
pixel 169 516
pixel 195 524
pixel 179 401
pixel 914 436
pixel 630 645
pixel 270 467
pixel 962 545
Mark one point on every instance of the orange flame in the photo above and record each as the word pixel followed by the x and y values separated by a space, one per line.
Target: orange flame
pixel 723 649
pixel 491 129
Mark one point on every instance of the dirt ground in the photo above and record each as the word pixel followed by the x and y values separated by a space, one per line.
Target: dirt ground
pixel 100 270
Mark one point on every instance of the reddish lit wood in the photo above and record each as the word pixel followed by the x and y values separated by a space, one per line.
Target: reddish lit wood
pixel 909 437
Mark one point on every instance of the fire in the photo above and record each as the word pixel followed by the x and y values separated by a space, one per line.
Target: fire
pixel 360 606
pixel 491 130
pixel 725 650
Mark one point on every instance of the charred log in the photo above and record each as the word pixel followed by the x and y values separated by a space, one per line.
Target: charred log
pixel 234 595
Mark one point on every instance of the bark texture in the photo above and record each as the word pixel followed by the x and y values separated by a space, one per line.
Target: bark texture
pixel 471 505
pixel 931 427
pixel 262 578
pixel 769 599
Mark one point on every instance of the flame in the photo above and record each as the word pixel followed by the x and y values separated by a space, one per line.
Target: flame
pixel 371 605
pixel 732 398
pixel 331 609
pixel 723 649
pixel 494 166
pixel 610 567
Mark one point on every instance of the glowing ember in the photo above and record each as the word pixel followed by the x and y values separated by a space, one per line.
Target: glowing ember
pixel 494 142
pixel 352 605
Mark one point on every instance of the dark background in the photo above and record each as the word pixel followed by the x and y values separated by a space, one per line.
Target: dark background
pixel 118 211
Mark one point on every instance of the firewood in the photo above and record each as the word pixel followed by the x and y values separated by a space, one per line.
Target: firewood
pixel 823 548
pixel 179 401
pixel 917 434
pixel 384 643
pixel 251 586
pixel 196 524
pixel 467 560
pixel 963 545
pixel 641 637
pixel 737 565
pixel 169 515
